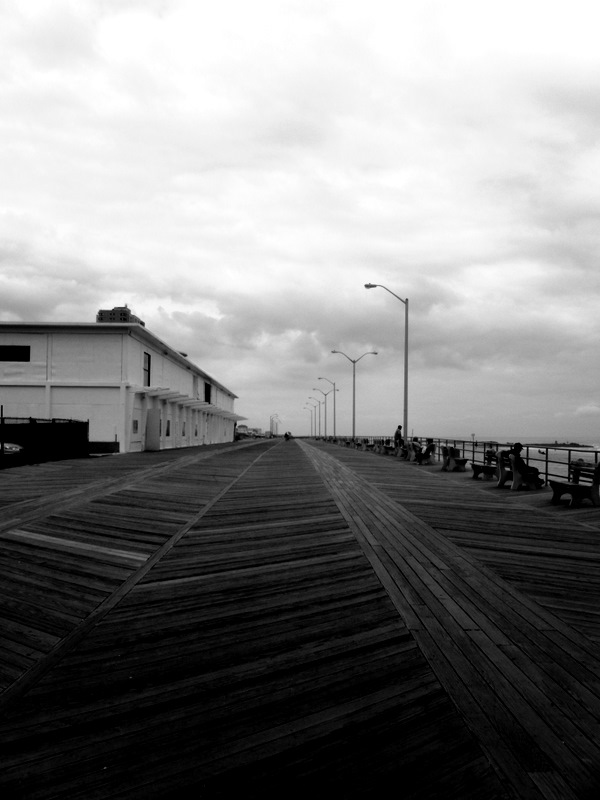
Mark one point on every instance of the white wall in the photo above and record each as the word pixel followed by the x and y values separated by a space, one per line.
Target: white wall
pixel 163 371
pixel 101 405
pixel 85 357
pixel 34 370
pixel 24 401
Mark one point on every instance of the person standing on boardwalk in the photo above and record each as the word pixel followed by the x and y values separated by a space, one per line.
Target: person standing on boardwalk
pixel 398 440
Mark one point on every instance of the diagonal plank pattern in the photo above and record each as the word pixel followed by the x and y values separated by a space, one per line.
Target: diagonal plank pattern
pixel 76 548
pixel 255 647
pixel 525 681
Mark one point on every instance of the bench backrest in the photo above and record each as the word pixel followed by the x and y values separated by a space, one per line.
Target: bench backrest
pixel 578 471
pixel 511 458
pixel 596 475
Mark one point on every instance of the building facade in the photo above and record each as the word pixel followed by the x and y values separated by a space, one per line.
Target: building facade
pixel 137 392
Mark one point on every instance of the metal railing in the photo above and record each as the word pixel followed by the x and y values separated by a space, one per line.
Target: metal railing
pixel 552 461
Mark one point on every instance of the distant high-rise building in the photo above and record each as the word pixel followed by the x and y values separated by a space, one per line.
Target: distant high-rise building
pixel 118 314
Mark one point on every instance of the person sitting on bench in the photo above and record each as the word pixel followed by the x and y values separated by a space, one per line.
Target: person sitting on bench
pixel 414 449
pixel 424 456
pixel 529 474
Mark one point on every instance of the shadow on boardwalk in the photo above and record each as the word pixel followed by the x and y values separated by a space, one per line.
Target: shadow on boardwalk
pixel 286 618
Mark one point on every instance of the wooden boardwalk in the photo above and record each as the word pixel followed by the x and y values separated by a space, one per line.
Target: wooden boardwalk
pixel 279 618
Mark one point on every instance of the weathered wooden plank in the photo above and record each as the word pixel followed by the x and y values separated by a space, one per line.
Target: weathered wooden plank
pixel 445 598
pixel 264 615
pixel 273 656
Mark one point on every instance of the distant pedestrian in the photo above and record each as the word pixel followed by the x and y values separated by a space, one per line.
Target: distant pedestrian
pixel 398 438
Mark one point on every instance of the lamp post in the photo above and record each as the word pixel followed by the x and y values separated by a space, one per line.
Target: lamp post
pixel 405 302
pixel 314 408
pixel 354 362
pixel 319 402
pixel 315 389
pixel 334 391
pixel 310 411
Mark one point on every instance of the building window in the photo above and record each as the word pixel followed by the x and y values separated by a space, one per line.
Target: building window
pixel 183 429
pixel 147 360
pixel 207 388
pixel 15 352
pixel 168 432
pixel 134 427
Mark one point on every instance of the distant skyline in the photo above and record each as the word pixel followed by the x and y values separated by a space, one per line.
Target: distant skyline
pixel 236 172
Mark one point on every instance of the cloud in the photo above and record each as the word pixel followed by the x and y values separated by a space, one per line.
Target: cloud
pixel 236 172
pixel 588 410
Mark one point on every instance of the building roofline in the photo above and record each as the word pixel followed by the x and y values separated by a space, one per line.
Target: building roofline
pixel 131 328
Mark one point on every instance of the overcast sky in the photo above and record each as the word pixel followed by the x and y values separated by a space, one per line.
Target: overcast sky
pixel 236 172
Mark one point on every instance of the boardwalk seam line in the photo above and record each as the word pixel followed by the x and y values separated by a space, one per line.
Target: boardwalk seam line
pixel 523 701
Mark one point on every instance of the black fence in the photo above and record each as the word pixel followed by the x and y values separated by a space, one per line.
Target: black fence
pixel 40 440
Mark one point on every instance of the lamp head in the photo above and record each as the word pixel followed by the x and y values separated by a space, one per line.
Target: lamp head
pixel 370 285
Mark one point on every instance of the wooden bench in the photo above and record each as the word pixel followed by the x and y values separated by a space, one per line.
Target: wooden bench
pixel 412 449
pixel 506 472
pixel 503 469
pixel 445 459
pixel 487 471
pixel 385 447
pixel 519 479
pixel 426 456
pixel 581 469
pixel 456 463
pixel 452 460
pixel 578 491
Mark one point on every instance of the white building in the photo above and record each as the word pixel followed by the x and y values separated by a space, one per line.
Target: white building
pixel 135 390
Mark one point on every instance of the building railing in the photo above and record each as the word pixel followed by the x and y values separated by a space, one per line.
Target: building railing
pixel 39 439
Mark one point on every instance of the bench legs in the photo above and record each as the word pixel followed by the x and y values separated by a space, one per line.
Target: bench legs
pixel 505 475
pixel 578 492
pixel 487 471
pixel 518 480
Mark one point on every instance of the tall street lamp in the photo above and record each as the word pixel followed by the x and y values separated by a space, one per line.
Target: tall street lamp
pixel 334 391
pixel 354 362
pixel 319 402
pixel 405 302
pixel 315 389
pixel 310 411
pixel 314 408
